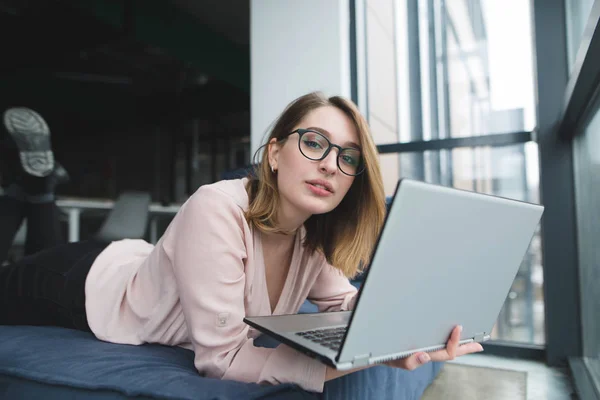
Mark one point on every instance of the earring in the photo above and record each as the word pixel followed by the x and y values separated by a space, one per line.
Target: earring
pixel 272 169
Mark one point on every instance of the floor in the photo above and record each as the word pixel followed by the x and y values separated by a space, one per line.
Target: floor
pixel 543 382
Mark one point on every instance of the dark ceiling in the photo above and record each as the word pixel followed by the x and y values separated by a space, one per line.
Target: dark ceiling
pixel 124 58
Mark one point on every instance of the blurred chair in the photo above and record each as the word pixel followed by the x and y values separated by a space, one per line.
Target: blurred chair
pixel 128 219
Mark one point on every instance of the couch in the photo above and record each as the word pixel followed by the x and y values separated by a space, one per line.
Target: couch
pixel 57 363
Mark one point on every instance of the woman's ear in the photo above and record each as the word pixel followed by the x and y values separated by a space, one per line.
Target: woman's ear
pixel 273 153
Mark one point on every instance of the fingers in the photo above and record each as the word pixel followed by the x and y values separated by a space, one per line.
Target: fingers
pixel 416 360
pixel 453 342
pixel 453 349
pixel 468 349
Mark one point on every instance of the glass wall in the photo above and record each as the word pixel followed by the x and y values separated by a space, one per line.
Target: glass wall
pixel 586 150
pixel 577 13
pixel 586 156
pixel 442 70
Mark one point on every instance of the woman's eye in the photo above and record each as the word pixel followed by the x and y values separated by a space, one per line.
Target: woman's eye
pixel 313 144
pixel 349 160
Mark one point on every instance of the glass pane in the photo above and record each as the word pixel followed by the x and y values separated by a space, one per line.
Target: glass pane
pixel 577 13
pixel 440 69
pixel 382 113
pixel 508 171
pixel 487 68
pixel 586 151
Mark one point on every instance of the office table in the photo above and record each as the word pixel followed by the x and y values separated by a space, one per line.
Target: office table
pixel 73 207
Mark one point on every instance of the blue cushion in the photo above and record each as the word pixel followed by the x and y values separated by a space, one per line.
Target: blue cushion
pixel 52 357
pixel 58 363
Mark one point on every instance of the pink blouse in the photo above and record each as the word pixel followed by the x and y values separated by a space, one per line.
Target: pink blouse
pixel 201 279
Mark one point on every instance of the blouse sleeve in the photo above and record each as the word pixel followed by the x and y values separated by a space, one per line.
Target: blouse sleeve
pixel 207 249
pixel 332 291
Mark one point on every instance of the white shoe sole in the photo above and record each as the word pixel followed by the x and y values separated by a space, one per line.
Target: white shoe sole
pixel 32 137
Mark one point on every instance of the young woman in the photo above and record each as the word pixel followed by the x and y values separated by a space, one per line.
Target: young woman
pixel 255 246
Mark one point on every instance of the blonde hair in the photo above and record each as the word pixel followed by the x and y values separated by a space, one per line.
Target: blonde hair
pixel 347 234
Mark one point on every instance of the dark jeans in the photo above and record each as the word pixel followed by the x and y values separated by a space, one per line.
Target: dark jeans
pixel 47 286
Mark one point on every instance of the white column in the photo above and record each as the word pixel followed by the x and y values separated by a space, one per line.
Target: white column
pixel 296 47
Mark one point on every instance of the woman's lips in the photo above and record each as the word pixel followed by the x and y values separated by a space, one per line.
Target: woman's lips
pixel 318 189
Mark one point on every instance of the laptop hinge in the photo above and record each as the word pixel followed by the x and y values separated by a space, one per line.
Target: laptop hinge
pixel 481 337
pixel 361 361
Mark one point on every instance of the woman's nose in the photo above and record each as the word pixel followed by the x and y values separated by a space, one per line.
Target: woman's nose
pixel 329 163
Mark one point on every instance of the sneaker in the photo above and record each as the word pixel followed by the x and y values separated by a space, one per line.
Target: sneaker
pixel 31 136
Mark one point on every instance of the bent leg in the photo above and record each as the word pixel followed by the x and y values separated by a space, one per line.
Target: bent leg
pixel 48 288
pixel 43 227
pixel 12 212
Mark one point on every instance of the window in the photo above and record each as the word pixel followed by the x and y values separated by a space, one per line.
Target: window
pixel 586 150
pixel 577 13
pixel 450 100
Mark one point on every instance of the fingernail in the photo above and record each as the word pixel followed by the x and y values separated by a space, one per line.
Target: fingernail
pixel 424 358
pixel 460 328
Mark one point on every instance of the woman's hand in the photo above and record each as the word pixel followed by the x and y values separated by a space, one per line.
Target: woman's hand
pixel 452 350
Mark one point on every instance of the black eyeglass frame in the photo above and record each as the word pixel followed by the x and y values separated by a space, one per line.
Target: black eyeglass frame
pixel 361 166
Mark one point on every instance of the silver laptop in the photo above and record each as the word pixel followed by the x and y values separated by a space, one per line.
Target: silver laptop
pixel 445 257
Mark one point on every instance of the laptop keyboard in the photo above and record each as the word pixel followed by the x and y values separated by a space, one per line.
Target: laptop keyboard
pixel 330 338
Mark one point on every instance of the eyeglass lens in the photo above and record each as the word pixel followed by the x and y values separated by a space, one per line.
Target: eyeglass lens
pixel 314 145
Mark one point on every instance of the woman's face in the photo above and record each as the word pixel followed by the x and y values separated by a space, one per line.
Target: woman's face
pixel 308 187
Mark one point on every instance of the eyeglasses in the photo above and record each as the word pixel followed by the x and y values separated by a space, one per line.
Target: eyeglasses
pixel 315 146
